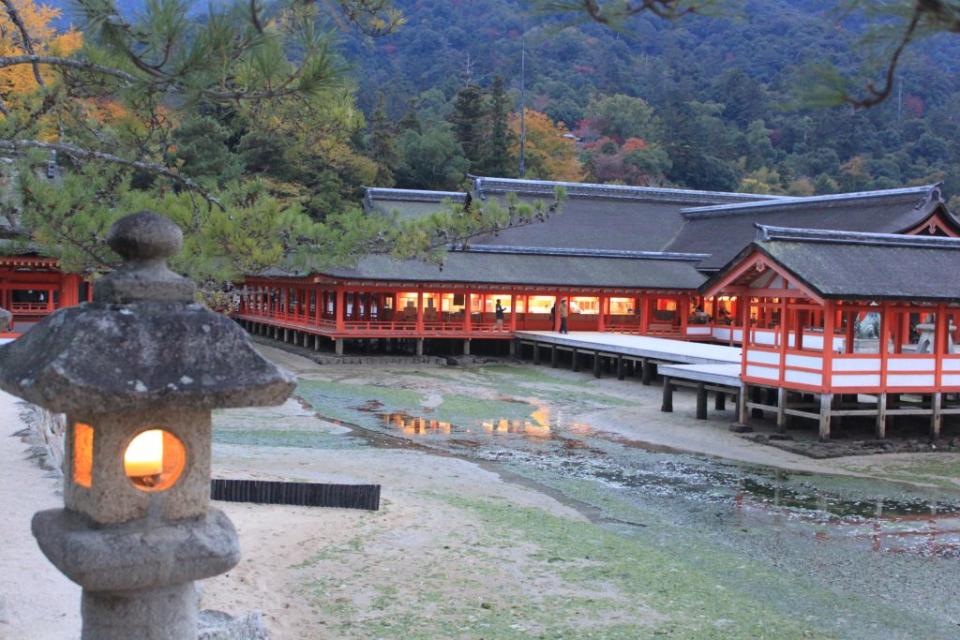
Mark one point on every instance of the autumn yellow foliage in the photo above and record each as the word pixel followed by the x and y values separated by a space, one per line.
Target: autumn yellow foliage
pixel 551 151
pixel 37 19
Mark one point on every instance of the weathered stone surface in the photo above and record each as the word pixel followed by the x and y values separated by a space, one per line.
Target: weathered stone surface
pixel 101 357
pixel 112 497
pixel 168 613
pixel 141 555
pixel 6 320
pixel 98 358
pixel 142 356
pixel 145 240
pixel 217 625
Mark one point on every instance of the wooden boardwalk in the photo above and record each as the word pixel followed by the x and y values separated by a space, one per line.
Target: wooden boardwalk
pixel 705 367
pixel 634 347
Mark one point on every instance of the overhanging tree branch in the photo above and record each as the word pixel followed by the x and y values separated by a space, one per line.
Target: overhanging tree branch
pixel 79 153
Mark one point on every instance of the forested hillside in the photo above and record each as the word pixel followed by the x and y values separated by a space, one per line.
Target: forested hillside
pixel 706 102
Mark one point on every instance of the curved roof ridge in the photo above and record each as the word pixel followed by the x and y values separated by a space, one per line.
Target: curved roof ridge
pixel 584 253
pixel 768 233
pixel 413 195
pixel 929 191
pixel 598 190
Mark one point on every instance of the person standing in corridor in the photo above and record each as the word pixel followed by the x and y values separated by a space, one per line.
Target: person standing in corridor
pixel 564 312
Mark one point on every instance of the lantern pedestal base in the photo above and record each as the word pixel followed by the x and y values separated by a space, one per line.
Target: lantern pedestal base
pixel 169 613
pixel 137 556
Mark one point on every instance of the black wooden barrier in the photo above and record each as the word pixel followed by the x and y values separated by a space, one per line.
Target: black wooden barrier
pixel 304 494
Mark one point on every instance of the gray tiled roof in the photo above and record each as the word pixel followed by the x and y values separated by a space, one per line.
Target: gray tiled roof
pixel 547 269
pixel 865 266
pixel 724 230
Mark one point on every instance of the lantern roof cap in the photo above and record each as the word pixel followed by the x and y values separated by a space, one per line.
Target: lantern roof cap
pixel 142 341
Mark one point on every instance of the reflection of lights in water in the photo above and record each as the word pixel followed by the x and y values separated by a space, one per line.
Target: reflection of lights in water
pixel 522 427
pixel 537 426
pixel 416 426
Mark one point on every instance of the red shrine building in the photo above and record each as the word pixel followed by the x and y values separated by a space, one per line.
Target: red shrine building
pixel 32 287
pixel 623 259
pixel 830 296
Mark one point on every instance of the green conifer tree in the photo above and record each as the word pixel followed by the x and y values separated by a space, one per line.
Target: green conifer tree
pixel 496 160
pixel 382 144
pixel 468 119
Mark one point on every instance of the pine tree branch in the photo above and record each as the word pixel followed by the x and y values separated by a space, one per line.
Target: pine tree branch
pixel 879 95
pixel 70 63
pixel 80 153
pixel 284 90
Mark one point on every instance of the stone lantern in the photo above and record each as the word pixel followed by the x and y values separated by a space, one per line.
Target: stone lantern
pixel 137 373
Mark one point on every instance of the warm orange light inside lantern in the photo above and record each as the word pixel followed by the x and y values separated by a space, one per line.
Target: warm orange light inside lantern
pixel 154 460
pixel 83 454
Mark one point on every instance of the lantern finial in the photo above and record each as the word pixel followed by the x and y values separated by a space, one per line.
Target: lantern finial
pixel 145 241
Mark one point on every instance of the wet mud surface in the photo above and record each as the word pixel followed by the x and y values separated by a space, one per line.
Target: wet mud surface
pixel 853 557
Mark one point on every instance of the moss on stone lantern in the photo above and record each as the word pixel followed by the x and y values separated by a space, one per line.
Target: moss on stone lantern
pixel 137 373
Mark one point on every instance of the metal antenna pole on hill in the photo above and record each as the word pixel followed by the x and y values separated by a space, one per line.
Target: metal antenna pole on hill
pixel 523 101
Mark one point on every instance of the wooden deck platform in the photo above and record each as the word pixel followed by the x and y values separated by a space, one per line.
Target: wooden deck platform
pixel 634 347
pixel 725 375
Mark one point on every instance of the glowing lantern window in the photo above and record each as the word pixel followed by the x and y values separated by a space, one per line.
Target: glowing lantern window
pixel 154 460
pixel 83 454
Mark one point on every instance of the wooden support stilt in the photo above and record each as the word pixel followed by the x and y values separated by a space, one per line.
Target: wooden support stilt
pixel 338 346
pixel 536 353
pixel 837 404
pixel 649 370
pixel 701 401
pixel 882 416
pixel 782 409
pixel 419 346
pixel 554 356
pixel 620 368
pixel 575 362
pixel 742 414
pixel 720 401
pixel 826 407
pixel 597 362
pixel 756 393
pixel 667 406
pixel 936 417
pixel 466 347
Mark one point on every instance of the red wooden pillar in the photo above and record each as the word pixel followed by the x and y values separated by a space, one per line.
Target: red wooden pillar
pixel 885 332
pixel 467 312
pixel 70 290
pixel 645 314
pixel 849 334
pixel 420 311
pixel 339 309
pixel 513 313
pixel 320 296
pixel 940 344
pixel 784 338
pixel 829 320
pixel 683 306
pixel 602 320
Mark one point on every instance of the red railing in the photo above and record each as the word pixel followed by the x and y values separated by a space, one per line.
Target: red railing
pixel 31 307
